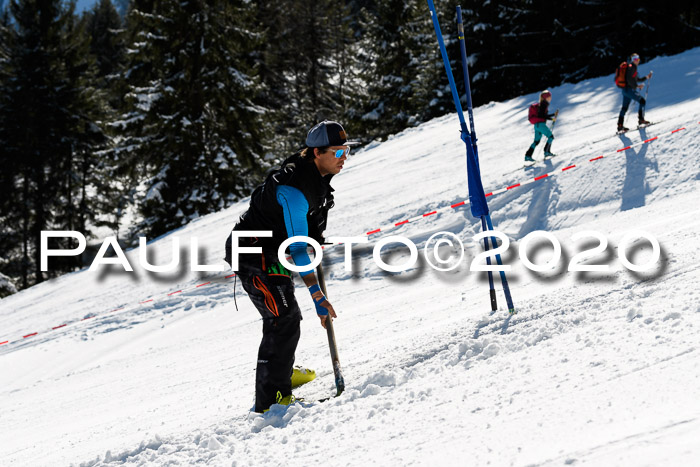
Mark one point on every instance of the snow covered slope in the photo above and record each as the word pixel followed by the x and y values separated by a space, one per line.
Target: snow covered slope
pixel 597 368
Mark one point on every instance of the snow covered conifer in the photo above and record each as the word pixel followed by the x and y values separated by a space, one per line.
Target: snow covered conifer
pixel 51 133
pixel 192 124
pixel 393 52
pixel 104 25
pixel 303 65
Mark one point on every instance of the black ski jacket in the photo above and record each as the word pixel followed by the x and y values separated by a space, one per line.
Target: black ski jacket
pixel 631 79
pixel 542 110
pixel 265 213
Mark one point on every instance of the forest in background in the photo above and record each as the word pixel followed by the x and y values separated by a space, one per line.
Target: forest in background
pixel 138 123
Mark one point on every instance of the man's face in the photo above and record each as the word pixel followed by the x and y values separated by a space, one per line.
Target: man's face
pixel 636 61
pixel 328 163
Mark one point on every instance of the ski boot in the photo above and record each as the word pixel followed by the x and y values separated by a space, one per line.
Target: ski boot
pixel 528 154
pixel 621 128
pixel 643 123
pixel 548 150
pixel 302 376
pixel 284 400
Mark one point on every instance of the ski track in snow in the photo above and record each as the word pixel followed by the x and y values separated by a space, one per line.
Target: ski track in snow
pixel 597 368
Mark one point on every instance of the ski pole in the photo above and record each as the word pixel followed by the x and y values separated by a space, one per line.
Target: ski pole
pixel 646 93
pixel 554 121
pixel 339 380
pixel 465 71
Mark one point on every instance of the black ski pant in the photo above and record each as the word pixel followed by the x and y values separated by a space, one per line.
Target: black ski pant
pixel 629 95
pixel 273 296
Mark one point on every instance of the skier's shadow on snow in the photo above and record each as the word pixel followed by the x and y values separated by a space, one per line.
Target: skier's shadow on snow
pixel 541 196
pixel 635 188
pixel 537 219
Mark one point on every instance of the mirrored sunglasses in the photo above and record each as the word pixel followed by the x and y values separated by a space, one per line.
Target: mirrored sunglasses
pixel 338 153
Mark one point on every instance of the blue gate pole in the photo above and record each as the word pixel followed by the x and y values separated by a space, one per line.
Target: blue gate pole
pixel 463 125
pixel 470 112
pixel 467 85
pixel 478 201
pixel 448 68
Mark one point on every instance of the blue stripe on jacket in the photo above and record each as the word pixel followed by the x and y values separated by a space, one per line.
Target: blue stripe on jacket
pixel 295 207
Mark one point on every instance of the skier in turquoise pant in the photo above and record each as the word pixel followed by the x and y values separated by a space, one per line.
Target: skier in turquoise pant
pixel 538 115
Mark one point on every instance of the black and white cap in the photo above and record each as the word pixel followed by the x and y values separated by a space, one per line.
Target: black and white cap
pixel 328 133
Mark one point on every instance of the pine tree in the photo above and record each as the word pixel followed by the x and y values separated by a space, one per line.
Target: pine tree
pixel 34 122
pixel 346 29
pixel 104 25
pixel 128 127
pixel 307 66
pixel 122 6
pixel 431 96
pixel 84 189
pixel 49 115
pixel 9 220
pixel 192 117
pixel 391 50
pixel 6 286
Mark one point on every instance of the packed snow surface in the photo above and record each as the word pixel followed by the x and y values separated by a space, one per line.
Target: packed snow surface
pixel 598 368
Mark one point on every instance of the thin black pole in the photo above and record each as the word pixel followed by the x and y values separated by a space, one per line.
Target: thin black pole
pixel 492 289
pixel 339 380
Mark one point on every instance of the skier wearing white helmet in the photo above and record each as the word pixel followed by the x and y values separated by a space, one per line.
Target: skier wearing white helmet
pixel 627 80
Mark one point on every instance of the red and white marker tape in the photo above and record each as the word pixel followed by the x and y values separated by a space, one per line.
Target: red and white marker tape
pixel 387 227
pixel 120 309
